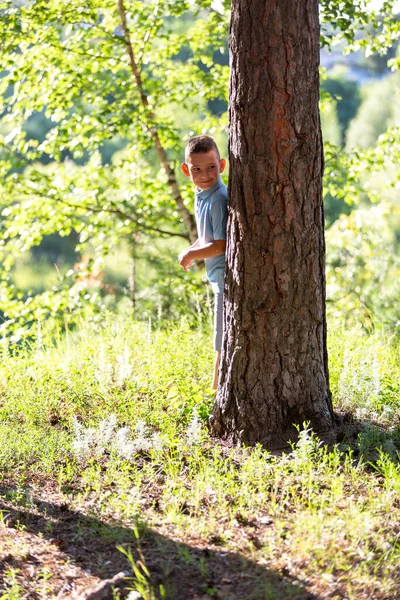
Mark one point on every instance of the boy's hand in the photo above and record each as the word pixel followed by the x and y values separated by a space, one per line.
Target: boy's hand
pixel 184 259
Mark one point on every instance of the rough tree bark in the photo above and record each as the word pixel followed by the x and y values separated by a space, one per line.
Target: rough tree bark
pixel 274 369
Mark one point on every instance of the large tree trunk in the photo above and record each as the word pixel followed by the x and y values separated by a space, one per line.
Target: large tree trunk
pixel 274 369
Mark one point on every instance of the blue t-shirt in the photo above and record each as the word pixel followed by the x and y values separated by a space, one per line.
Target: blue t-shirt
pixel 211 217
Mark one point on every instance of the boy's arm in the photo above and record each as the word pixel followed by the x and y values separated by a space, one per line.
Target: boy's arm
pixel 209 250
pixel 184 253
pixel 197 252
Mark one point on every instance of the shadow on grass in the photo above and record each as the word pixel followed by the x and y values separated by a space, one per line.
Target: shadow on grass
pixel 187 572
pixel 366 438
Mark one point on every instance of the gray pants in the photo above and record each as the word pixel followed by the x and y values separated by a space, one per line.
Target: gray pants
pixel 218 320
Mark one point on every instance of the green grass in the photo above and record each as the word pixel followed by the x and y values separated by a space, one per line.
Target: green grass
pixel 113 417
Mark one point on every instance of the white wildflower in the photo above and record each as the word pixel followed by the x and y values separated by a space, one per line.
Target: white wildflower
pixel 106 430
pixel 84 440
pixel 103 370
pixel 124 369
pixel 122 444
pixel 193 434
pixel 157 442
pixel 375 378
pixel 361 413
pixel 106 437
pixel 307 443
pixel 142 442
pixel 134 596
pixel 359 382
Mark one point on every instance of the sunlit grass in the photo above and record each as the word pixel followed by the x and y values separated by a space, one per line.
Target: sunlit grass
pixel 70 411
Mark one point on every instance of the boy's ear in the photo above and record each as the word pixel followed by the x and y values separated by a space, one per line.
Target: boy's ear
pixel 222 165
pixel 185 169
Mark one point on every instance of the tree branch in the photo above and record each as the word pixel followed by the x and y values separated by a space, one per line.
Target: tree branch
pixel 87 55
pixel 117 211
pixel 148 32
pixel 187 217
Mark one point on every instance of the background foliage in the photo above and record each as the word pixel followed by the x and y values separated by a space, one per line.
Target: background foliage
pixel 96 103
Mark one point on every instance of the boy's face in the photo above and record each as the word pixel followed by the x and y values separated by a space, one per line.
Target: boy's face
pixel 203 168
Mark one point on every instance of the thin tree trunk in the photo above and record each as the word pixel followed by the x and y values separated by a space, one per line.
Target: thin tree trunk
pixel 274 360
pixel 185 214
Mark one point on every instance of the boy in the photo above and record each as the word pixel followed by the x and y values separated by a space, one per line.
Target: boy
pixel 204 165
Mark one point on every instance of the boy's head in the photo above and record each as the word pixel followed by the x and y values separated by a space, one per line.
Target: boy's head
pixel 203 163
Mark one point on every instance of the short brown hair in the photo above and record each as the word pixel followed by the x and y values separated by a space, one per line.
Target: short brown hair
pixel 201 144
